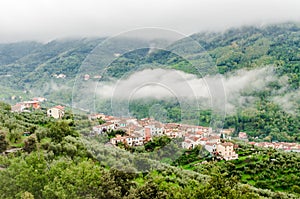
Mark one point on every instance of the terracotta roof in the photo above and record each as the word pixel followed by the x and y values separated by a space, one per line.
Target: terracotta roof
pixel 216 137
pixel 211 143
pixel 227 144
pixel 60 107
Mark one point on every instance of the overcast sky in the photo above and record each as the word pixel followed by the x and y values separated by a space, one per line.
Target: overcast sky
pixel 45 20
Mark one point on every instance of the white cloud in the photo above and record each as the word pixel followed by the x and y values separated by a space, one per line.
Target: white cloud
pixel 161 83
pixel 49 19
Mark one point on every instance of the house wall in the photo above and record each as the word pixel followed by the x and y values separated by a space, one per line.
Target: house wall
pixel 55 112
pixel 227 152
pixel 210 148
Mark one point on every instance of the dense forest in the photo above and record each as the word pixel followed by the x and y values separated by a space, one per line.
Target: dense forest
pixel 248 47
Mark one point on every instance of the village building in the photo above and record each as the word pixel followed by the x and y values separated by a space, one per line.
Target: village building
pixel 226 151
pixel 194 129
pixel 56 112
pixel 156 129
pixel 192 140
pixel 211 147
pixel 97 77
pixel 18 108
pixel 60 76
pixel 137 139
pixel 86 77
pixel 31 104
pixel 39 99
pixel 137 129
pixel 187 144
pixel 96 116
pixel 131 140
pixel 243 135
pixel 286 146
pixel 26 105
pixel 100 129
pixel 214 139
pixel 147 134
pixel 173 134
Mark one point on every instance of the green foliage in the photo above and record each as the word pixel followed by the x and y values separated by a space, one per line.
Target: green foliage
pixel 3 143
pixel 267 120
pixel 30 144
pixel 113 133
pixel 27 195
pixel 157 142
pixel 5 107
pixel 194 155
pixel 60 129
pixel 262 168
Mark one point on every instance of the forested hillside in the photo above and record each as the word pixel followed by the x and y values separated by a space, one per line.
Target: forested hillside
pixel 269 112
pixel 248 47
pixel 58 161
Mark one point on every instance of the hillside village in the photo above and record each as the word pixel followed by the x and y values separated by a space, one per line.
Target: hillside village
pixel 139 132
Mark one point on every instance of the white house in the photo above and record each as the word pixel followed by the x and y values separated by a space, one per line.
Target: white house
pixel 96 116
pixel 226 151
pixel 214 139
pixel 211 147
pixel 18 108
pixel 56 112
pixel 132 140
pixel 173 134
pixel 156 129
pixel 100 129
pixel 137 139
pixel 191 141
pixel 187 144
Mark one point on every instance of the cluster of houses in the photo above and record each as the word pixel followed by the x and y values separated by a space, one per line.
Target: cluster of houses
pixel 26 106
pixel 139 132
pixel 286 146
pixel 211 142
pixel 34 104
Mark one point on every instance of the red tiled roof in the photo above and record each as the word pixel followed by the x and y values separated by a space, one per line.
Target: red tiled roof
pixel 214 137
pixel 227 144
pixel 60 107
